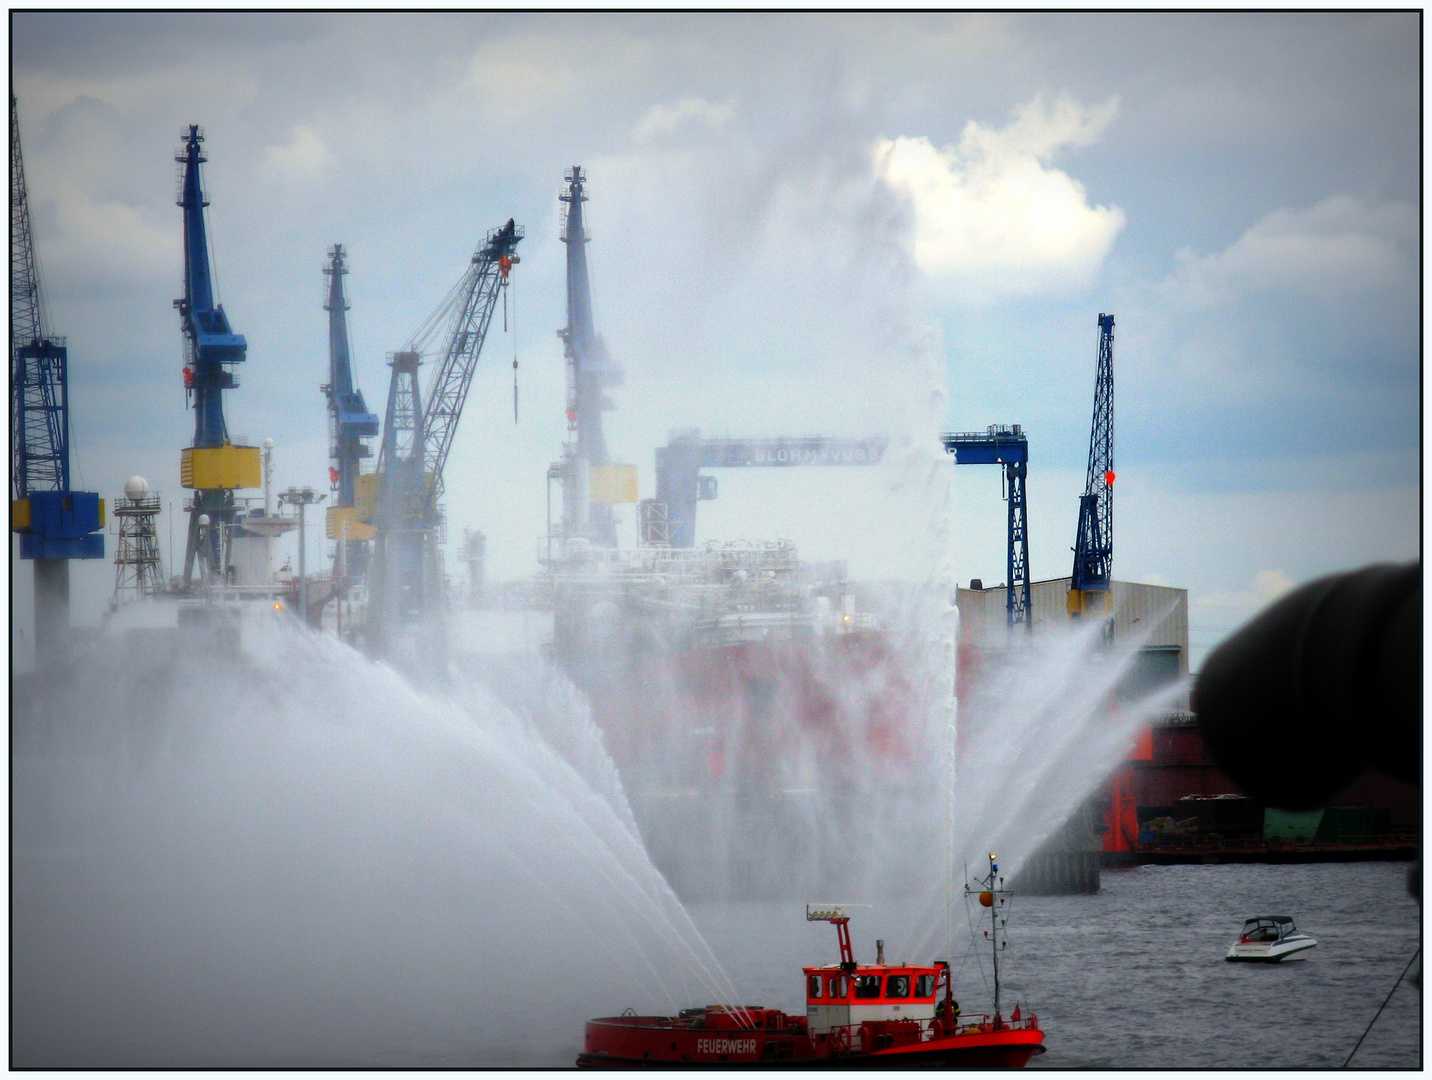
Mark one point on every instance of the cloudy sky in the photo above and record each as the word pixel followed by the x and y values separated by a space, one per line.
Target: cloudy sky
pixel 839 224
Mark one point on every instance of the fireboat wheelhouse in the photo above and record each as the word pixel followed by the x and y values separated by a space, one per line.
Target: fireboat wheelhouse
pixel 858 1015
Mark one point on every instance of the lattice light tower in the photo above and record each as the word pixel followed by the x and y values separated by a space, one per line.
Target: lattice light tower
pixel 138 571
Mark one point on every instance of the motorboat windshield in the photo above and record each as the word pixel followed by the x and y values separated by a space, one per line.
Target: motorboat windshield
pixel 1268 928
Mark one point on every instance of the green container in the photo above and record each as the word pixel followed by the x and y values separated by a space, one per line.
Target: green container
pixel 1341 824
pixel 1291 825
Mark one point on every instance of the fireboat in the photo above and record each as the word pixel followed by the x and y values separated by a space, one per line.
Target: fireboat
pixel 857 1015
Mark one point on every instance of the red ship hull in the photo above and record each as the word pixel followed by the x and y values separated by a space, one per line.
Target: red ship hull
pixel 781 1041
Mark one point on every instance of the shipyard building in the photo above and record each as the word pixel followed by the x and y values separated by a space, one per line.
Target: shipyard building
pixel 1168 802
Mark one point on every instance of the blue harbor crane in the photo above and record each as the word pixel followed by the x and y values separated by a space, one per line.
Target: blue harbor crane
pixel 1007 445
pixel 350 424
pixel 1089 592
pixel 589 371
pixel 55 524
pixel 212 467
pixel 405 582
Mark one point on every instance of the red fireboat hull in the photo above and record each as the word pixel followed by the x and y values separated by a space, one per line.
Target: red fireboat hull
pixel 627 1042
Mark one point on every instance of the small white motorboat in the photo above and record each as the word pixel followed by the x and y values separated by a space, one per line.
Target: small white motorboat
pixel 1271 939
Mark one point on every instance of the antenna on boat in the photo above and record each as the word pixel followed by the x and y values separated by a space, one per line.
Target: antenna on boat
pixel 952 743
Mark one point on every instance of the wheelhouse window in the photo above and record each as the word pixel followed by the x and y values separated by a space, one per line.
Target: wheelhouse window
pixel 925 985
pixel 814 985
pixel 867 986
pixel 837 987
pixel 897 986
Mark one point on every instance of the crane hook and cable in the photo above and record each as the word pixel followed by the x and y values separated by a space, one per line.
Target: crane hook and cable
pixel 507 284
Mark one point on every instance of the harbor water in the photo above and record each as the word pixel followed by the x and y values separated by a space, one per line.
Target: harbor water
pixel 295 858
pixel 1134 976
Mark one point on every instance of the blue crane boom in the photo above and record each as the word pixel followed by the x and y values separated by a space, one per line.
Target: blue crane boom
pixel 213 345
pixel 589 371
pixel 1089 591
pixel 55 523
pixel 350 422
pixel 1005 445
pixel 212 467
pixel 39 431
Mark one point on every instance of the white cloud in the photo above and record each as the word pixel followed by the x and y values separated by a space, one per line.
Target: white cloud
pixel 517 78
pixel 1266 587
pixel 1235 325
pixel 109 243
pixel 665 119
pixel 1339 247
pixel 993 215
pixel 305 156
pixel 209 88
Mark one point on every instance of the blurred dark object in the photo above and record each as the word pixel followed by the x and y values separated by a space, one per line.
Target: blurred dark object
pixel 1323 685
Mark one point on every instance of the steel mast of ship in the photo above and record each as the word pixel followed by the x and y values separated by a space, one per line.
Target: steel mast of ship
pixel 405 581
pixel 589 371
pixel 213 467
pixel 1089 587
pixel 55 523
pixel 350 424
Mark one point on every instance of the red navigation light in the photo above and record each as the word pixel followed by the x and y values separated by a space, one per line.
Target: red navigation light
pixel 1109 478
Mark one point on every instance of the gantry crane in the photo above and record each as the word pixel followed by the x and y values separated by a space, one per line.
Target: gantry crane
pixel 1089 586
pixel 589 371
pixel 405 582
pixel 55 523
pixel 669 520
pixel 350 424
pixel 1007 445
pixel 213 467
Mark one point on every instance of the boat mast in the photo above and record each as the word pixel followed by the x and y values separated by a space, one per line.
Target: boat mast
pixel 988 898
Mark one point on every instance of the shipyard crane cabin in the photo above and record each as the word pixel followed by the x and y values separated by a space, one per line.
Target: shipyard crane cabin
pixel 406 578
pixel 212 467
pixel 350 425
pixel 54 522
pixel 1089 591
pixel 585 467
